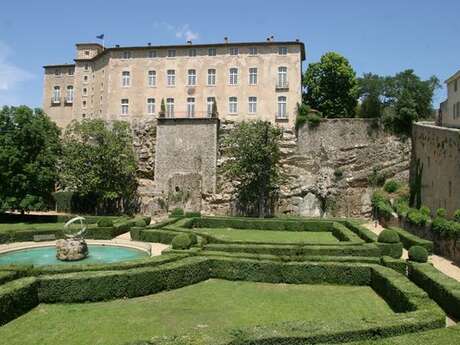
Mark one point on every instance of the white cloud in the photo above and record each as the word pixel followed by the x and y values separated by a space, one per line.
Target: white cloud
pixel 183 31
pixel 10 74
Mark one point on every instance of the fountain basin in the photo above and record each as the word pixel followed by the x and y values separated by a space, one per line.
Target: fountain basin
pixel 46 255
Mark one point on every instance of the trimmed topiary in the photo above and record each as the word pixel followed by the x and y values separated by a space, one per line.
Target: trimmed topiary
pixel 193 238
pixel 140 223
pixel 181 241
pixel 418 254
pixel 391 186
pixel 388 236
pixel 147 220
pixel 105 223
pixel 176 213
pixel 441 212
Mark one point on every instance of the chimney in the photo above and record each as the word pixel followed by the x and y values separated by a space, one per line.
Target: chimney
pixel 149 44
pixel 268 39
pixel 226 39
pixel 189 42
pixel 117 46
pixel 297 40
pixel 272 38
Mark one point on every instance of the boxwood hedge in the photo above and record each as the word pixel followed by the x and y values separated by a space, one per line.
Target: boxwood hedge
pixel 408 240
pixel 441 288
pixel 17 297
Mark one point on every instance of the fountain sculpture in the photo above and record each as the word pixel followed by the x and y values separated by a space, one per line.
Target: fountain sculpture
pixel 73 247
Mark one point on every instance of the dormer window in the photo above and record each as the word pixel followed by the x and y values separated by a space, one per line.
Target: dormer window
pixel 171 53
pixel 127 54
pixel 86 52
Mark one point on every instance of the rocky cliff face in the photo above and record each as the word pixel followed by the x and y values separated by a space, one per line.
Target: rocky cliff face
pixel 326 168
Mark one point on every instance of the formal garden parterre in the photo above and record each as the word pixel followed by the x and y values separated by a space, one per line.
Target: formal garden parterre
pixel 226 288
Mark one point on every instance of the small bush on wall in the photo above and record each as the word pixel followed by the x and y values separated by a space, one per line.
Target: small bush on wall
pixel 391 186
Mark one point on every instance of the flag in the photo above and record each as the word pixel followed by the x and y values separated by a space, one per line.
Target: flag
pixel 101 37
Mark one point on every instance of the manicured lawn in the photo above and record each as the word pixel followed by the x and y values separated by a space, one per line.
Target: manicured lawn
pixel 211 307
pixel 268 236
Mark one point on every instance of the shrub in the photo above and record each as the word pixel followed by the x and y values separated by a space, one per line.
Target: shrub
pixel 140 223
pixel 401 207
pixel 457 215
pixel 446 228
pixel 441 212
pixel 379 196
pixel 105 223
pixel 181 241
pixel 391 186
pixel 425 210
pixel 388 236
pixel 418 254
pixel 408 239
pixel 313 120
pixel 147 220
pixel 416 217
pixel 384 210
pixel 376 178
pixel 177 212
pixel 193 239
pixel 192 214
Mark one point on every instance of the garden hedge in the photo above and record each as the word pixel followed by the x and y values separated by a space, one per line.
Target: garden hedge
pixel 441 288
pixel 394 250
pixel 360 230
pixel 408 240
pixel 6 276
pixel 418 254
pixel 157 236
pixel 398 265
pixel 299 250
pixel 17 297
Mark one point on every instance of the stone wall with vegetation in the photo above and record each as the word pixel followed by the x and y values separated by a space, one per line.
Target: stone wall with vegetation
pixel 327 168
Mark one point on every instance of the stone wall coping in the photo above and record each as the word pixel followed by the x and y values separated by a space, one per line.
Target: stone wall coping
pixel 433 126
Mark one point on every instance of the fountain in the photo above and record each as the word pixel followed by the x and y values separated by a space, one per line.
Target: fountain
pixel 73 247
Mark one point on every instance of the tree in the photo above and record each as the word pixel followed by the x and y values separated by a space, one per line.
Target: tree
pixel 331 86
pixel 29 148
pixel 253 148
pixel 408 99
pixel 99 164
pixel 370 90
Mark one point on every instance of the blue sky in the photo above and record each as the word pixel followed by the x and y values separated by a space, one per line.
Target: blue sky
pixel 382 37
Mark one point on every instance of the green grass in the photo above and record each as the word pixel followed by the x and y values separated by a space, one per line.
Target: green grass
pixel 269 236
pixel 212 307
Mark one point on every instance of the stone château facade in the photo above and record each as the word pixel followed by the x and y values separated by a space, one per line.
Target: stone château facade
pixel 251 80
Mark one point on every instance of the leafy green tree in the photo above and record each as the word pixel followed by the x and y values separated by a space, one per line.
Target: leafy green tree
pixel 29 148
pixel 408 99
pixel 254 164
pixel 99 164
pixel 331 86
pixel 370 89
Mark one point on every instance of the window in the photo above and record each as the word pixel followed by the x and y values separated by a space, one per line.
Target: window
pixel 170 107
pixel 252 105
pixel 127 54
pixel 212 51
pixel 282 77
pixel 253 76
pixel 86 52
pixel 150 106
pixel 171 53
pixel 211 76
pixel 124 106
pixel 85 91
pixel 233 77
pixel 192 52
pixel 69 98
pixel 152 78
pixel 210 106
pixel 455 85
pixel 125 78
pixel 70 71
pixel 282 103
pixel 234 51
pixel 232 105
pixel 191 79
pixel 252 51
pixel 282 50
pixel 85 78
pixel 191 107
pixel 152 54
pixel 171 77
pixel 56 72
pixel 56 94
pixel 86 67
